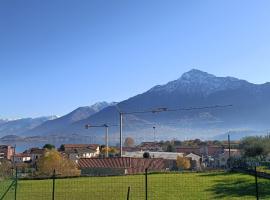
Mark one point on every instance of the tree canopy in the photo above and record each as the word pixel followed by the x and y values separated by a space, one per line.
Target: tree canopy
pixel 129 142
pixel 183 163
pixel 256 147
pixel 53 160
pixel 170 148
pixel 5 169
pixel 146 155
pixel 49 146
pixel 111 150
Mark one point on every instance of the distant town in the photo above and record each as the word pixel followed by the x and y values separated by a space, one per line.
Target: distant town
pixel 94 159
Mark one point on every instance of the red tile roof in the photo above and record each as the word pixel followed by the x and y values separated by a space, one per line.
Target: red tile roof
pixel 35 151
pixel 188 150
pixel 130 149
pixel 80 146
pixel 133 165
pixel 215 150
pixel 18 155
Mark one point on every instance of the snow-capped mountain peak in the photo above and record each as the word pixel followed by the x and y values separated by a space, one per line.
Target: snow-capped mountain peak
pixel 199 82
pixel 196 75
pixel 101 105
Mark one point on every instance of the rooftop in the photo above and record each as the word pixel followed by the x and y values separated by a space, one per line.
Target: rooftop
pixel 134 165
pixel 21 155
pixel 80 146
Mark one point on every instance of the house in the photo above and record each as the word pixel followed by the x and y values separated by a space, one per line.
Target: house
pixel 188 150
pixel 222 159
pixel 129 149
pixel 214 150
pixel 150 146
pixel 163 155
pixel 2 155
pixel 76 151
pixel 168 157
pixel 206 150
pixel 194 157
pixel 119 166
pixel 6 152
pixel 196 161
pixel 35 153
pixel 22 158
pixel 66 147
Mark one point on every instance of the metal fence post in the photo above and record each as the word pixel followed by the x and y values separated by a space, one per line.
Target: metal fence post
pixel 53 189
pixel 16 184
pixel 146 184
pixel 256 184
pixel 128 193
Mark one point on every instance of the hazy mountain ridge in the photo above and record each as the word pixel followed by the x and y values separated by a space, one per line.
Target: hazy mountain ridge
pixel 195 88
pixel 19 126
pixel 55 126
pixel 3 121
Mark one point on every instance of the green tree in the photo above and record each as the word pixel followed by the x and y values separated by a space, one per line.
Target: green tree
pixel 177 143
pixel 53 160
pixel 183 163
pixel 146 155
pixel 49 146
pixel 62 147
pixel 256 147
pixel 170 148
pixel 111 150
pixel 5 169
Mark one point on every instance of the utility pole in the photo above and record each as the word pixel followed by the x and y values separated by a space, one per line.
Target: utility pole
pixel 107 140
pixel 106 135
pixel 229 143
pixel 121 134
pixel 13 158
pixel 154 133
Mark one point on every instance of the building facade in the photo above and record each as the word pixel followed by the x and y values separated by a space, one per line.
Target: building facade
pixel 6 152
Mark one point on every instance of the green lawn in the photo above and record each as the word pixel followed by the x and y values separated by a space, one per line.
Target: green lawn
pixel 264 169
pixel 4 184
pixel 186 186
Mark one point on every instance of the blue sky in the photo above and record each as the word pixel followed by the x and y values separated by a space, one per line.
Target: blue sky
pixel 56 55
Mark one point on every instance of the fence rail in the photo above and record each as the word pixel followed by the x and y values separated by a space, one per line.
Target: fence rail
pixel 236 184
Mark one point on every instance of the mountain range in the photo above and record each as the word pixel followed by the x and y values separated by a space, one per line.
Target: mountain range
pixel 56 126
pixel 47 125
pixel 249 111
pixel 20 126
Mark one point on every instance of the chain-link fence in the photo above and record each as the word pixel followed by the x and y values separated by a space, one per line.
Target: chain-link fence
pixel 83 188
pixel 8 183
pixel 261 173
pixel 185 185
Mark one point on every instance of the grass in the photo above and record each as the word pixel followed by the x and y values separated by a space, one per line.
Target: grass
pixel 187 186
pixel 264 169
pixel 4 184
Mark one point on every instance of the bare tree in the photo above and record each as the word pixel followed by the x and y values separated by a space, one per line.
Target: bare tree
pixel 129 142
